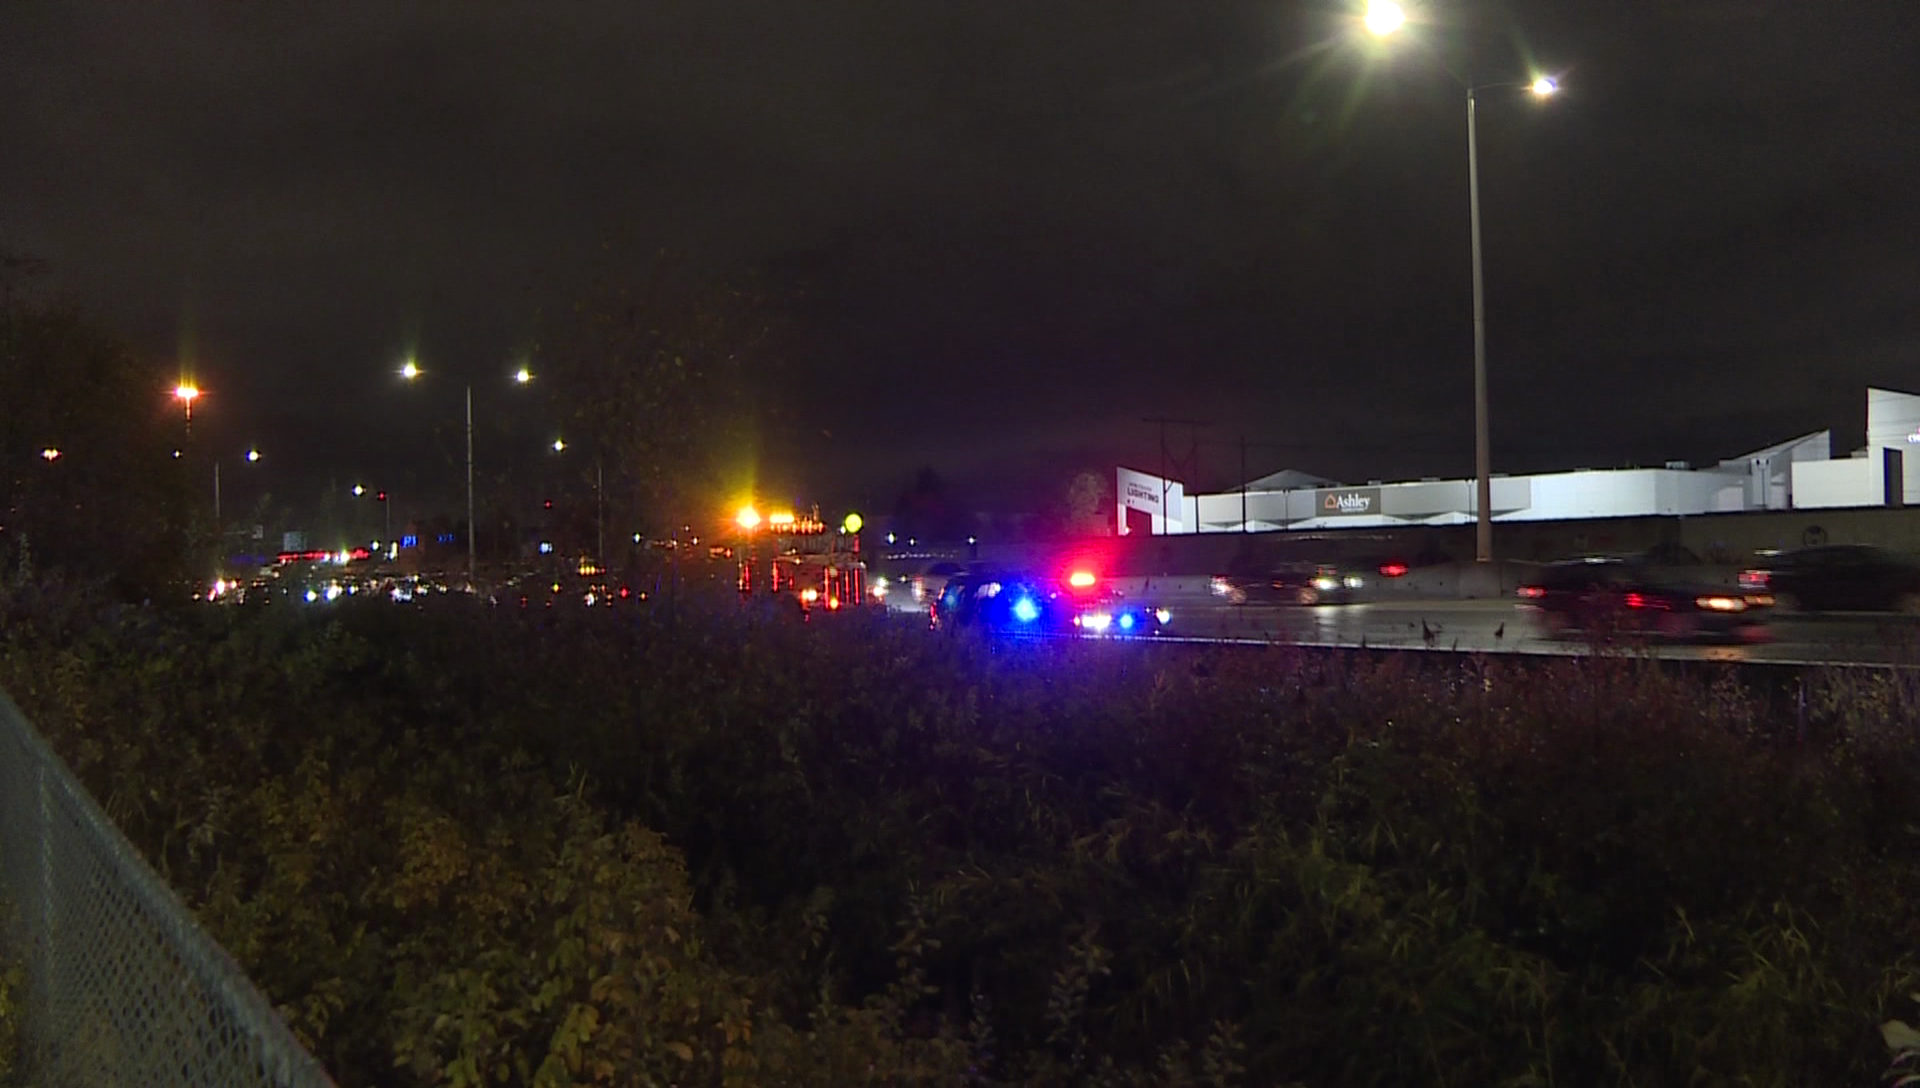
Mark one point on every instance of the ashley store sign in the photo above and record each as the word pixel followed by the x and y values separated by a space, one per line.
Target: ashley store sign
pixel 1347 501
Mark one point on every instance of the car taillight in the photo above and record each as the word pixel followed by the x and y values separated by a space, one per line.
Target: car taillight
pixel 1636 600
pixel 1532 592
pixel 1755 579
pixel 1394 570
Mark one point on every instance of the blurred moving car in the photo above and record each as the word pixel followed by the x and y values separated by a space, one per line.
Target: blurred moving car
pixel 1291 583
pixel 1615 596
pixel 1839 578
pixel 910 589
pixel 1023 602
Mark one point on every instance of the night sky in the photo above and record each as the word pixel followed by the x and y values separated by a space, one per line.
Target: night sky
pixel 1020 228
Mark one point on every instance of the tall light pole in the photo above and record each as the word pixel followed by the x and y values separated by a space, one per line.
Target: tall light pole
pixel 186 393
pixel 599 502
pixel 410 371
pixel 1382 19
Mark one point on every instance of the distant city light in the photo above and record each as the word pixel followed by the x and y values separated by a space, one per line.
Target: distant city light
pixel 50 454
pixel 253 455
pixel 559 445
pixel 410 370
pixel 359 490
pixel 523 375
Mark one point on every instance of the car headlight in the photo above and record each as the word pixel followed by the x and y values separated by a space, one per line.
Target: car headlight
pixel 1353 581
pixel 1163 616
pixel 1325 583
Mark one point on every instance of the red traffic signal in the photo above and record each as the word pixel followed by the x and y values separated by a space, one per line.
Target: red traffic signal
pixel 380 496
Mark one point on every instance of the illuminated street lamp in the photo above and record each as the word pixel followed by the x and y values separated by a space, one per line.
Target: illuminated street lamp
pixel 1383 19
pixel 186 393
pixel 523 375
pixel 748 518
pixel 559 445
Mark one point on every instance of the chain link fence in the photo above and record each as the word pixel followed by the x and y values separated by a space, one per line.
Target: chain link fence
pixel 124 988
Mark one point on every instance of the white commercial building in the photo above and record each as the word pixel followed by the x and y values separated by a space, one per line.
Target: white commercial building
pixel 1800 473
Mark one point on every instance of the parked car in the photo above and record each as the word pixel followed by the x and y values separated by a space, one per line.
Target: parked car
pixel 1839 578
pixel 1291 583
pixel 1615 596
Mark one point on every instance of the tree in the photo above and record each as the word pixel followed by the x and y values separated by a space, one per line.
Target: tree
pixel 659 379
pixel 95 470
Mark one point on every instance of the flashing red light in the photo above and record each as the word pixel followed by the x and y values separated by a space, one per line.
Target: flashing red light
pixel 1393 570
pixel 1081 579
pixel 1532 592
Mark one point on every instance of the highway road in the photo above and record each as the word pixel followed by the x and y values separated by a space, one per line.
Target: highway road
pixel 1498 627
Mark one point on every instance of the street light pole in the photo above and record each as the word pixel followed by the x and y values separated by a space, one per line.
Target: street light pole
pixel 1482 455
pixel 473 581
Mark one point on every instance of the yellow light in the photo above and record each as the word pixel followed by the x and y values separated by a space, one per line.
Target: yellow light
pixel 187 392
pixel 1080 579
pixel 782 518
pixel 809 595
pixel 1543 86
pixel 50 454
pixel 1384 17
pixel 748 518
pixel 853 523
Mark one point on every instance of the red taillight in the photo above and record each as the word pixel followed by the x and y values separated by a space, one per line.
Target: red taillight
pixel 1532 592
pixel 1636 600
pixel 625 593
pixel 1395 570
pixel 1755 579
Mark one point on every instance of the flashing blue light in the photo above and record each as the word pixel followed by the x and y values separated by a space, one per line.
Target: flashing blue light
pixel 1126 621
pixel 1025 610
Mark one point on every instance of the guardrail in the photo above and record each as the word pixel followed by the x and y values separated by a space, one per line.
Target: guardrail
pixel 123 986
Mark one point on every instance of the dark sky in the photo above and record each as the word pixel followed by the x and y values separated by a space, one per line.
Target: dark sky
pixel 1023 227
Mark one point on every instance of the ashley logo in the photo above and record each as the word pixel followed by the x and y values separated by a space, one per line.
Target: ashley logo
pixel 1348 502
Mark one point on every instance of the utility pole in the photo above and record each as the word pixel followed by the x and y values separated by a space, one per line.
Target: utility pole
pixel 1188 465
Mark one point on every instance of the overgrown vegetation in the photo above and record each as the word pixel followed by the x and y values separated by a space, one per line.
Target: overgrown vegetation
pixel 723 848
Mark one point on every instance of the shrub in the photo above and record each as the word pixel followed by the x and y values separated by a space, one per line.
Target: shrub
pixel 730 847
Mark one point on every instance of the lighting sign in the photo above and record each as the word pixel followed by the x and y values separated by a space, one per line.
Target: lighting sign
pixel 1347 502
